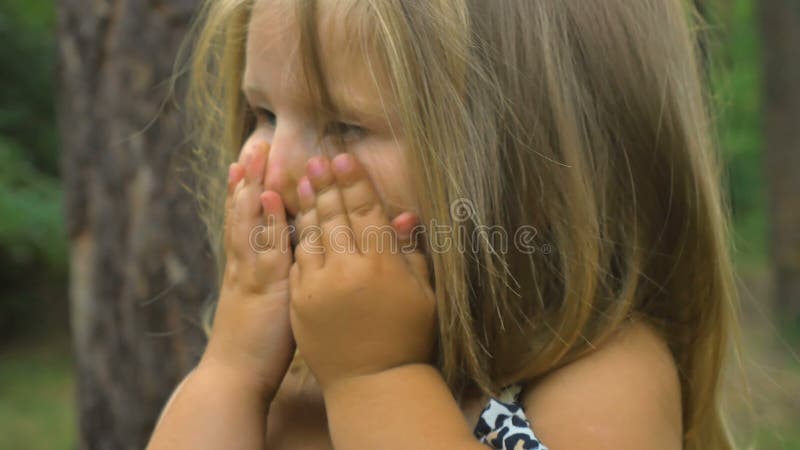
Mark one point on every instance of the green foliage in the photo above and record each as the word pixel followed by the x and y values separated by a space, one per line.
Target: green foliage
pixel 31 229
pixel 27 73
pixel 33 247
pixel 736 82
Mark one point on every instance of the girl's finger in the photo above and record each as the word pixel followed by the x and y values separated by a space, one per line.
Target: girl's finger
pixel 409 235
pixel 235 176
pixel 337 237
pixel 309 252
pixel 404 225
pixel 371 229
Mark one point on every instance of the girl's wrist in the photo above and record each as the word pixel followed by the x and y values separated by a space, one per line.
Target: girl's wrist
pixel 219 372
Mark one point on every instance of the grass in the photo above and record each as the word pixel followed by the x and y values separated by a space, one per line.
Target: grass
pixel 37 402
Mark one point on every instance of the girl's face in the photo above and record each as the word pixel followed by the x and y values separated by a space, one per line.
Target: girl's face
pixel 276 93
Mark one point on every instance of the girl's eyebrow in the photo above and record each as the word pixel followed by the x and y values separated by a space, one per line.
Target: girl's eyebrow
pixel 356 107
pixel 349 106
pixel 362 103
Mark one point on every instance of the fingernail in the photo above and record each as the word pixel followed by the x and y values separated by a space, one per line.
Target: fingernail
pixel 315 168
pixel 305 189
pixel 252 167
pixel 404 223
pixel 343 163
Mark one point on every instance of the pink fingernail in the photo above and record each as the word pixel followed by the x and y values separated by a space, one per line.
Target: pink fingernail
pixel 343 163
pixel 254 167
pixel 316 168
pixel 235 173
pixel 305 188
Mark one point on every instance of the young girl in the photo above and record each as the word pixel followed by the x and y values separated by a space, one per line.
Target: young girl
pixel 557 272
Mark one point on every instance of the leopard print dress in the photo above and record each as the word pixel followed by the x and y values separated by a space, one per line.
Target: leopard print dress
pixel 503 426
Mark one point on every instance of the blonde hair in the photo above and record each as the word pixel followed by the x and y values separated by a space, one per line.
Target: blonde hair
pixel 586 120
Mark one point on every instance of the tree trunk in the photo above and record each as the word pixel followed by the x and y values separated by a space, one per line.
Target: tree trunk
pixel 780 24
pixel 139 266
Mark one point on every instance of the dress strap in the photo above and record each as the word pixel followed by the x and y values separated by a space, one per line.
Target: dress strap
pixel 503 424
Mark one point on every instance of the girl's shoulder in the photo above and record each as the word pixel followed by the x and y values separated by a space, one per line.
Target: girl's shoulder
pixel 625 394
pixel 502 423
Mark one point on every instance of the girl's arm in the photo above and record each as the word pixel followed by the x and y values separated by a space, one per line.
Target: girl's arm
pixel 408 407
pixel 364 317
pixel 223 403
pixel 624 396
pixel 213 408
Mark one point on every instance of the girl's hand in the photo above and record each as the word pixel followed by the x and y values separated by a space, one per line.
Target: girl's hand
pixel 251 335
pixel 359 304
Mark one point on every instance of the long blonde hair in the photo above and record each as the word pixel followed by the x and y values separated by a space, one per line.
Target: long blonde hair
pixel 586 121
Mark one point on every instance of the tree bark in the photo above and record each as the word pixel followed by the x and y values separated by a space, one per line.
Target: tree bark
pixel 780 25
pixel 140 268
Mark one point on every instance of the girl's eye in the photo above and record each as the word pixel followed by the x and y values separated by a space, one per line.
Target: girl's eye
pixel 347 130
pixel 263 114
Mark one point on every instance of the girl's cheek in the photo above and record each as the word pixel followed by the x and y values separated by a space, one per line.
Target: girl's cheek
pixel 386 168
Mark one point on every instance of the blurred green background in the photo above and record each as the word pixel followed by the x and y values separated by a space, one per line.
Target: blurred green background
pixel 36 380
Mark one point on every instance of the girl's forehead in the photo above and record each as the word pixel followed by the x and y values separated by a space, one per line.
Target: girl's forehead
pixel 274 58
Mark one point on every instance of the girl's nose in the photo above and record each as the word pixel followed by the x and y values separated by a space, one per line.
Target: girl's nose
pixel 286 164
